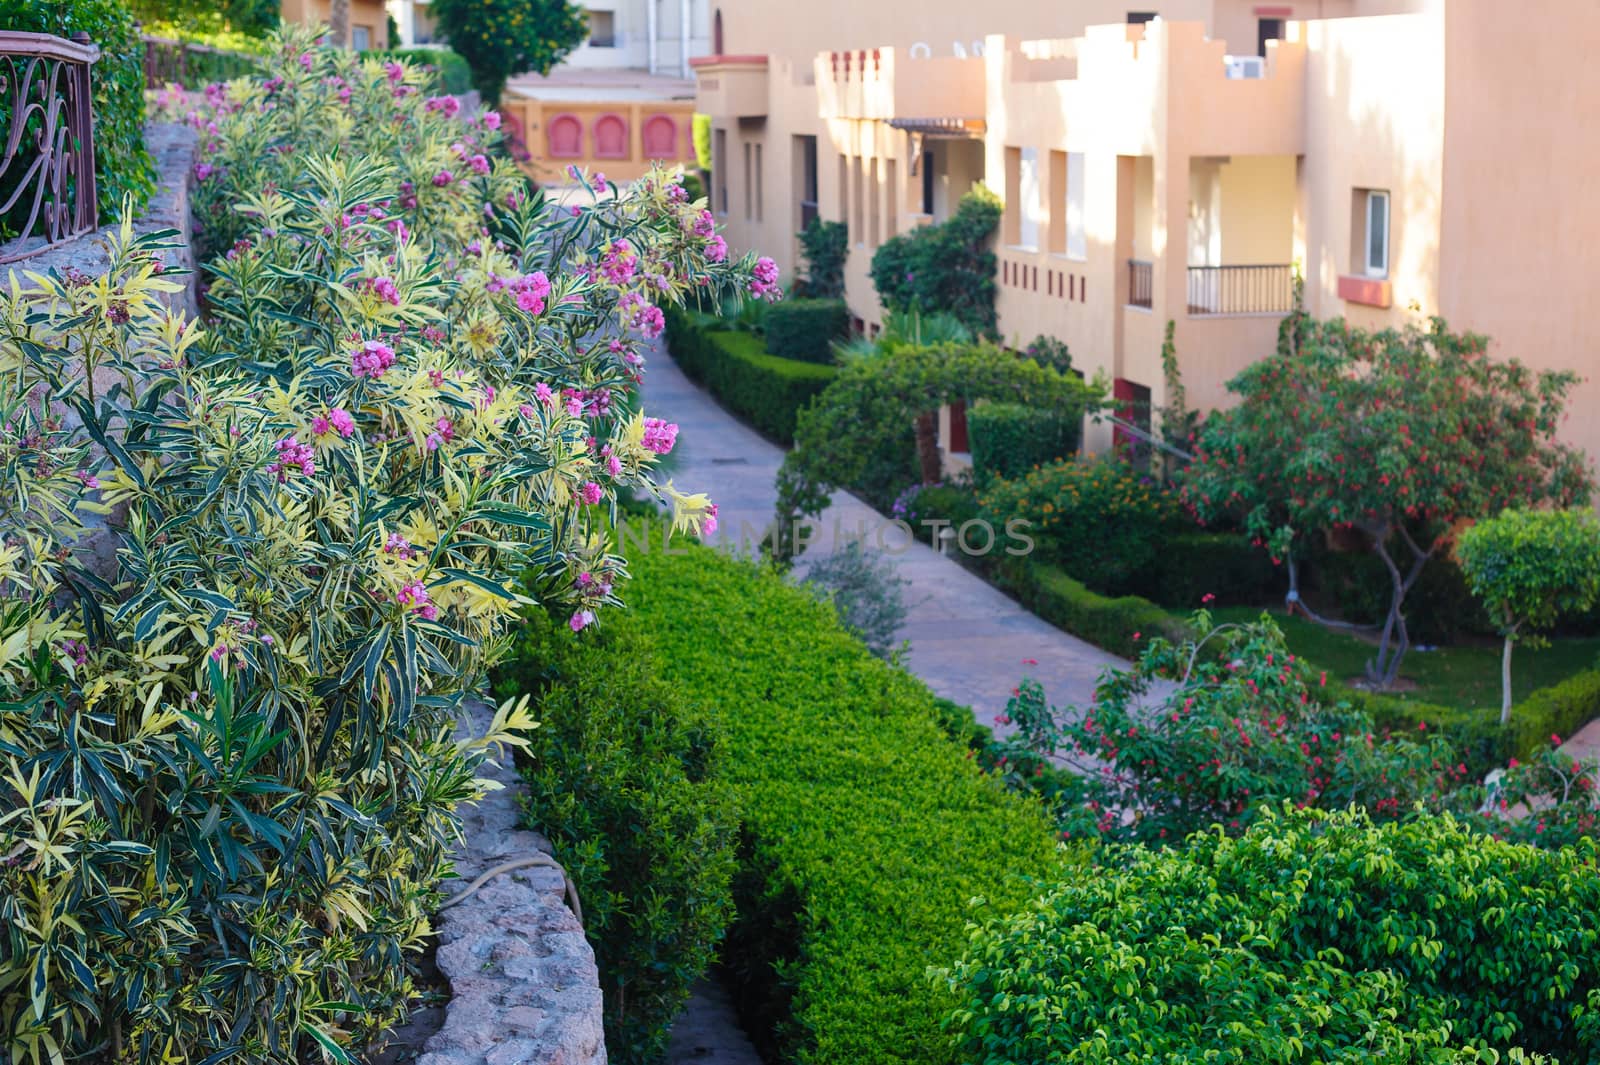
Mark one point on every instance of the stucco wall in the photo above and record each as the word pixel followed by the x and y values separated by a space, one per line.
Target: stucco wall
pixel 1258 203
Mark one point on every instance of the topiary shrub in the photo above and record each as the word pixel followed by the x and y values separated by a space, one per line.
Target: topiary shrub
pixel 623 778
pixel 805 329
pixel 1009 439
pixel 1098 520
pixel 946 266
pixel 1316 936
pixel 123 169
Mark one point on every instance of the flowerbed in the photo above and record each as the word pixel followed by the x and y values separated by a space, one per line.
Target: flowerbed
pixel 230 772
pixel 867 831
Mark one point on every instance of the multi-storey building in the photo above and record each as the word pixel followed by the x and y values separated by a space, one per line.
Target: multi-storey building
pixel 1184 161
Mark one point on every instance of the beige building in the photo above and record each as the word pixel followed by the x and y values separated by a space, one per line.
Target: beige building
pixel 1181 161
pixel 369 22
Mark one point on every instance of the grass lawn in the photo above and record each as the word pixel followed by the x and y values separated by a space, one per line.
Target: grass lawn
pixel 1462 676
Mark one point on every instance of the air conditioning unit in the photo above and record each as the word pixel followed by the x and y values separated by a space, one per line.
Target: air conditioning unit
pixel 1245 66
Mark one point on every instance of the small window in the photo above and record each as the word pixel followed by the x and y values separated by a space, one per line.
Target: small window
pixel 719 170
pixel 1375 229
pixel 1028 209
pixel 360 38
pixel 1139 18
pixel 602 29
pixel 928 161
pixel 1077 235
pixel 1267 29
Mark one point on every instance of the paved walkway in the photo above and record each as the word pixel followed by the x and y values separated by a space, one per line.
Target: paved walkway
pixel 968 640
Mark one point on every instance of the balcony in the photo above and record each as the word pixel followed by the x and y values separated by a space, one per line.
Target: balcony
pixel 888 83
pixel 731 86
pixel 1256 289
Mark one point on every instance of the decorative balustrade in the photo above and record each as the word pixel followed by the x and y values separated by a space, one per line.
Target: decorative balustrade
pixel 1258 289
pixel 47 190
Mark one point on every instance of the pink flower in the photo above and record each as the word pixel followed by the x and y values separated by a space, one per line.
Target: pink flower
pixel 394 71
pixel 203 171
pixel 704 225
pixel 709 525
pixel 659 435
pixel 292 456
pixel 581 620
pixel 527 301
pixel 542 393
pixel 384 288
pixel 479 164
pixel 372 359
pixel 414 597
pixel 716 248
pixel 591 493
pixel 764 278
pixel 491 119
pixel 397 545
pixel 613 465
pixel 649 321
pixel 574 405
pixel 443 178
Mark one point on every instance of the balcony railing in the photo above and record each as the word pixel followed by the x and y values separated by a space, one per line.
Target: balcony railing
pixel 1264 289
pixel 1141 283
pixel 47 191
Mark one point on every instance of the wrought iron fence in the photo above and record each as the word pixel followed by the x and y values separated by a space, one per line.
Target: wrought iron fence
pixel 47 191
pixel 1141 282
pixel 168 62
pixel 1266 289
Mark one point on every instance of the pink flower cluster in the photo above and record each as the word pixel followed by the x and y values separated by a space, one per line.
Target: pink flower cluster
pixel 531 290
pixel 659 435
pixel 372 359
pixel 384 288
pixel 444 431
pixel 293 455
pixel 591 493
pixel 716 248
pixel 709 525
pixel 619 263
pixel 337 420
pixel 643 317
pixel 703 225
pixel 414 597
pixel 764 279
pixel 448 104
pixel 398 546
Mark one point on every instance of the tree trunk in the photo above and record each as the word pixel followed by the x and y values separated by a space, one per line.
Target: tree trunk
pixel 339 23
pixel 1385 667
pixel 928 448
pixel 1505 682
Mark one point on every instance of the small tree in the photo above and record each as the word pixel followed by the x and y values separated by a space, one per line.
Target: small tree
pixel 1396 434
pixel 499 38
pixel 1529 567
pixel 945 267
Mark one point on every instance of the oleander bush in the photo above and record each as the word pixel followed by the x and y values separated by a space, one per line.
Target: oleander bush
pixel 253 566
pixel 624 778
pixel 1316 936
pixel 452 72
pixel 806 329
pixel 868 833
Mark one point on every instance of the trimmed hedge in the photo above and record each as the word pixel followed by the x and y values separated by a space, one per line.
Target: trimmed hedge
pixel 1190 566
pixel 806 329
pixel 455 77
pixel 868 831
pixel 623 779
pixel 1009 439
pixel 1121 625
pixel 764 390
pixel 1315 937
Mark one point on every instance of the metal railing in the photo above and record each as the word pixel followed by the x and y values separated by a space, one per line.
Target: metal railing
pixel 47 191
pixel 1141 282
pixel 1265 289
pixel 191 65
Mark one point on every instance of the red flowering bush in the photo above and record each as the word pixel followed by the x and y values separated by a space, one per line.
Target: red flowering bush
pixel 1551 800
pixel 1213 731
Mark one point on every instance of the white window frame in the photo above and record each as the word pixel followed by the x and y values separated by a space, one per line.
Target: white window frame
pixel 1075 204
pixel 1379 269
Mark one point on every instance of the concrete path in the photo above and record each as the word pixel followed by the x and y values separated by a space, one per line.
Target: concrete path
pixel 968 640
pixel 707 1032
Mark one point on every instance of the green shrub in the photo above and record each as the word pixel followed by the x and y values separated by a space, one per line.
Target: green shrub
pixel 700 130
pixel 866 591
pixel 868 832
pixel 1189 566
pixel 453 75
pixel 946 266
pixel 825 246
pixel 229 767
pixel 1097 519
pixel 122 167
pixel 511 37
pixel 1314 937
pixel 1439 609
pixel 1116 625
pixel 623 778
pixel 1009 439
pixel 952 503
pixel 765 390
pixel 806 329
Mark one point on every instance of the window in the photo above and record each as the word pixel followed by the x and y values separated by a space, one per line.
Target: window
pixel 602 29
pixel 1370 232
pixel 1267 29
pixel 759 189
pixel 858 180
pixel 1139 18
pixel 805 151
pixel 1077 232
pixel 891 212
pixel 749 183
pixel 874 198
pixel 1028 198
pixel 719 170
pixel 928 161
pixel 360 38
pixel 716 33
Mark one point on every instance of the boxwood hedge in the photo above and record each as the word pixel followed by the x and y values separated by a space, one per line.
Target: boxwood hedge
pixel 868 832
pixel 805 329
pixel 765 390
